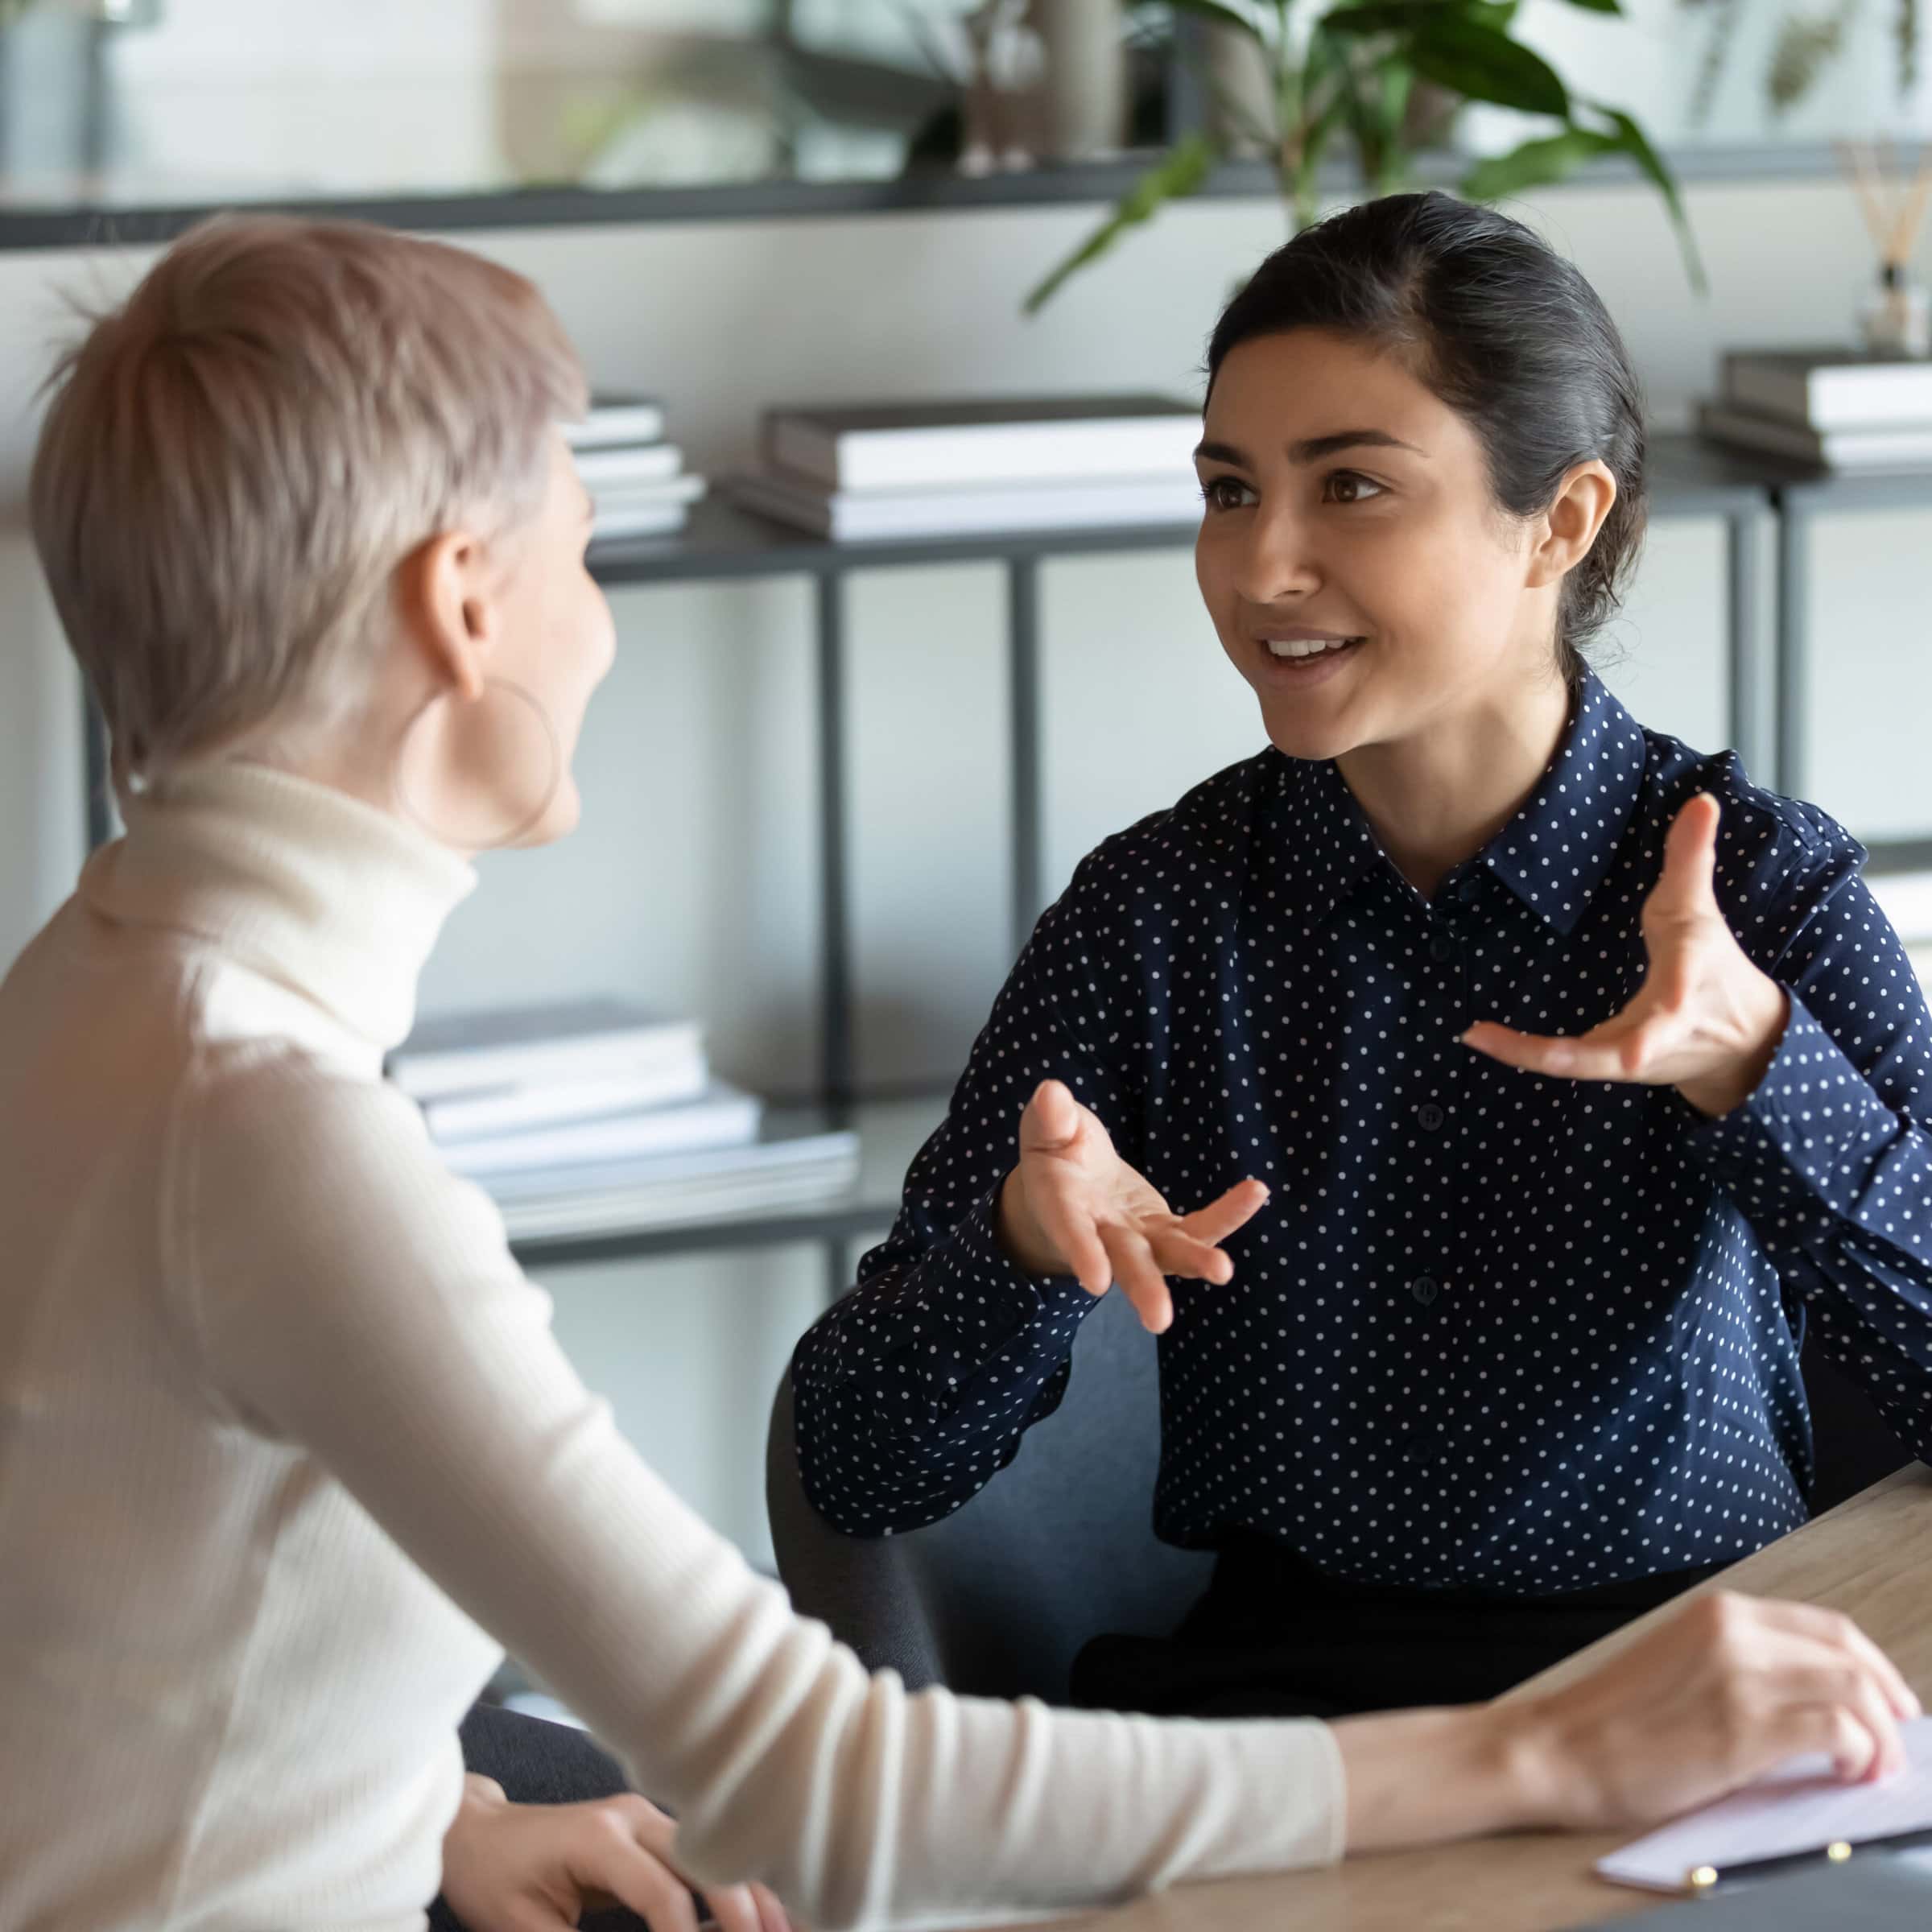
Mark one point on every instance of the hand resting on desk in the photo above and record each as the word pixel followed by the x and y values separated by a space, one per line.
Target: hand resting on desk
pixel 1724 1691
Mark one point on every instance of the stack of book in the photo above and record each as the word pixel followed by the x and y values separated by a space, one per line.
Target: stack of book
pixel 965 468
pixel 1842 408
pixel 636 481
pixel 597 1115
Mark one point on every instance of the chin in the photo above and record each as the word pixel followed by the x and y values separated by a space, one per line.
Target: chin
pixel 1303 736
pixel 560 821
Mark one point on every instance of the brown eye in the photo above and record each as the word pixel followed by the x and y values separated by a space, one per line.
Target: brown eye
pixel 1350 486
pixel 1223 492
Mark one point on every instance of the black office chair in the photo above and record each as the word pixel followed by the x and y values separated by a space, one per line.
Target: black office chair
pixel 997 1599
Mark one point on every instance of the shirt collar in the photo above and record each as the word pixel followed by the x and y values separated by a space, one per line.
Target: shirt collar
pixel 1321 840
pixel 1553 854
pixel 336 899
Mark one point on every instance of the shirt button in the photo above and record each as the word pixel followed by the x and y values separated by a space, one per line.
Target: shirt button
pixel 1441 948
pixel 1467 888
pixel 1430 1116
pixel 1425 1288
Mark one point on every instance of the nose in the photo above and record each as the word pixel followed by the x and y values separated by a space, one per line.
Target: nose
pixel 1276 560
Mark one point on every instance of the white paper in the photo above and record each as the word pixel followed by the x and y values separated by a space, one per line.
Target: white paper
pixel 1795 1808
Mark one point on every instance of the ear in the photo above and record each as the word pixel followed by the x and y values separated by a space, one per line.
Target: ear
pixel 1561 538
pixel 446 613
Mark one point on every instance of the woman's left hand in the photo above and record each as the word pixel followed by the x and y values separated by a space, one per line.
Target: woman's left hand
pixel 540 1868
pixel 1705 1020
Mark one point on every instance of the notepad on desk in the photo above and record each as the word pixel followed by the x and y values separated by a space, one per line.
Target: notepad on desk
pixel 1798 1807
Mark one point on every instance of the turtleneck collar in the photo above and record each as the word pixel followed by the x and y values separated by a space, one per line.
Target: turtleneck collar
pixel 333 898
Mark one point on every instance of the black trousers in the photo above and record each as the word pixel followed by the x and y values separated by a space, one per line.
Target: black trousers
pixel 1274 1636
pixel 539 1763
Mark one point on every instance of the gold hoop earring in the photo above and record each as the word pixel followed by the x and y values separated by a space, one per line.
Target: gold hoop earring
pixel 478 743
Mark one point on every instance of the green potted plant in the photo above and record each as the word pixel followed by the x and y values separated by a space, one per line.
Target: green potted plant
pixel 1357 74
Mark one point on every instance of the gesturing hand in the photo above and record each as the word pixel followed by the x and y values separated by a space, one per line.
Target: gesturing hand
pixel 1705 1020
pixel 1074 1207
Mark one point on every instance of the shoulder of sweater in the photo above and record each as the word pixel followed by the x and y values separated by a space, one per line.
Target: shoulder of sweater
pixel 271 1115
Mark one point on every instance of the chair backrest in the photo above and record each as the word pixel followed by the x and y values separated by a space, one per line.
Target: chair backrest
pixel 996 1600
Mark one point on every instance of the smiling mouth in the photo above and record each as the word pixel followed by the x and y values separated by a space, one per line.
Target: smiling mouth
pixel 1293 654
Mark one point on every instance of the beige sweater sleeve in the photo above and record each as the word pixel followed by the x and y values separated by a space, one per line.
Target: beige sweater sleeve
pixel 348 1295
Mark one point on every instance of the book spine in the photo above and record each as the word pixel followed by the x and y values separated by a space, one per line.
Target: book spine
pixel 474 1117
pixel 625 1137
pixel 470 1069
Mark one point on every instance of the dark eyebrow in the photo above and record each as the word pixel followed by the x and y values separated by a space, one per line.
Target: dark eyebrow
pixel 1314 448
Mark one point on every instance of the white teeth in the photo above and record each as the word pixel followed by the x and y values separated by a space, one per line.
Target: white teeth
pixel 1307 647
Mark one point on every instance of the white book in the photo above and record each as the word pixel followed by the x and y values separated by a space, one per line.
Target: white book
pixel 1831 388
pixel 722 1117
pixel 617 419
pixel 797 1172
pixel 1901 446
pixel 528 1045
pixel 626 466
pixel 618 497
pixel 651 520
pixel 470 1117
pixel 938 445
pixel 846 516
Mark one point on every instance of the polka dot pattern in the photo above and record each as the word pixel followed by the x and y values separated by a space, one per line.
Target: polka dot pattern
pixel 1491 1329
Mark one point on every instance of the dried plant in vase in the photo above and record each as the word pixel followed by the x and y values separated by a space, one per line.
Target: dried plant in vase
pixel 1895 318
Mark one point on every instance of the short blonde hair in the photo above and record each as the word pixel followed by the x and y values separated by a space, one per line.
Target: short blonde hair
pixel 235 461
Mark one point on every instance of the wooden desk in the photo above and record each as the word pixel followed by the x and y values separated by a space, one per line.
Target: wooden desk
pixel 1871 1557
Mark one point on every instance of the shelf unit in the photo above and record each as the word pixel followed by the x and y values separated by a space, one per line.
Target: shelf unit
pixel 1759 501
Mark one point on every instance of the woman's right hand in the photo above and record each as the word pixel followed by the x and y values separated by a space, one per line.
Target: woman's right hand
pixel 1074 1207
pixel 1719 1693
pixel 1724 1690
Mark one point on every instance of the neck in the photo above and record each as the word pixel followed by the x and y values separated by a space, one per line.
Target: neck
pixel 1438 797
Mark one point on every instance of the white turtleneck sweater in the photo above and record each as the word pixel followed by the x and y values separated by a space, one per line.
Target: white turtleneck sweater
pixel 287 1452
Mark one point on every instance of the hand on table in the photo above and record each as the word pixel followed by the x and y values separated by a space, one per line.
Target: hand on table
pixel 1726 1689
pixel 539 1867
pixel 1074 1207
pixel 1705 1020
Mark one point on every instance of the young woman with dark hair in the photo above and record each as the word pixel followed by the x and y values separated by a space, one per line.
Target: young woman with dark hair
pixel 1543 1077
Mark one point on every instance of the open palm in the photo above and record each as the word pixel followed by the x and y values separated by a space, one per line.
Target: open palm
pixel 1705 1020
pixel 1074 1207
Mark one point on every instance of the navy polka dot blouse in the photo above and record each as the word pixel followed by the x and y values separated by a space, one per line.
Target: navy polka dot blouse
pixel 1491 1329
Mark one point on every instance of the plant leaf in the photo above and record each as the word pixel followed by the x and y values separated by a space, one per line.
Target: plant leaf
pixel 1181 171
pixel 1598 6
pixel 1481 65
pixel 1535 163
pixel 1631 139
pixel 1378 16
pixel 1225 16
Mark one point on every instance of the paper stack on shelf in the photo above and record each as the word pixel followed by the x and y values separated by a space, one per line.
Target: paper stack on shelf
pixel 592 1115
pixel 781 1170
pixel 966 468
pixel 637 479
pixel 1842 408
